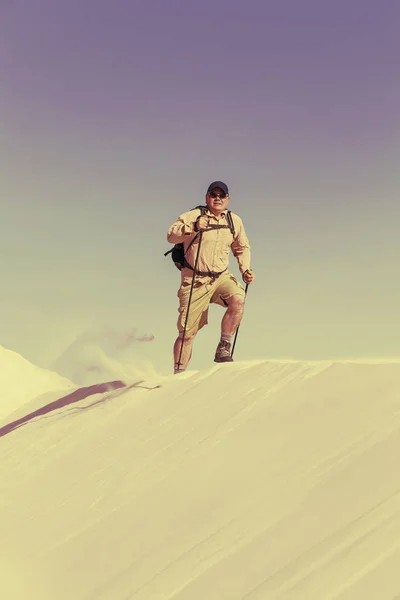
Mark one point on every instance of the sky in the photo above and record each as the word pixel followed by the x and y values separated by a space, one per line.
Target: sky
pixel 115 117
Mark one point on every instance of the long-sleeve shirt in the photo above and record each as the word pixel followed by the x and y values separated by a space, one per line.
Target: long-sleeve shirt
pixel 215 245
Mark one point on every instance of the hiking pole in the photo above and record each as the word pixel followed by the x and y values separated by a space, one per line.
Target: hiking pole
pixel 190 299
pixel 234 341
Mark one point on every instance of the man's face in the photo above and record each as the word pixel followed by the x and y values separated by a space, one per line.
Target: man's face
pixel 217 200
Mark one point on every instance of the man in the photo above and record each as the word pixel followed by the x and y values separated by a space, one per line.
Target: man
pixel 213 283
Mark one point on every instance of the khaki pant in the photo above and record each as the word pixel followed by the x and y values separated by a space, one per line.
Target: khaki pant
pixel 216 292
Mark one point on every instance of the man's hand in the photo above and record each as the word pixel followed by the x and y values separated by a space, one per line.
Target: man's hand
pixel 248 276
pixel 202 223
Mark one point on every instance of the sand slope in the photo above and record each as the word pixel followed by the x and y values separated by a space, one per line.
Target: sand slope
pixel 271 480
pixel 21 381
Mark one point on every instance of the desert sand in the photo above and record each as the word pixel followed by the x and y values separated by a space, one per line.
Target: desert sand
pixel 248 481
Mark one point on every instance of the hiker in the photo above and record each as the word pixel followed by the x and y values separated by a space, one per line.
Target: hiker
pixel 215 230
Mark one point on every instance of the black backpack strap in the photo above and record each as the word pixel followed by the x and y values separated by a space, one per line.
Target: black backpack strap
pixel 203 210
pixel 231 223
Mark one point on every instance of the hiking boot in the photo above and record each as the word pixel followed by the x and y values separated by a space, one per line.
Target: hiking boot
pixel 223 352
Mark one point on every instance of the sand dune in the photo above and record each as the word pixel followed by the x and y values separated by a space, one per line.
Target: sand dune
pixel 249 481
pixel 21 381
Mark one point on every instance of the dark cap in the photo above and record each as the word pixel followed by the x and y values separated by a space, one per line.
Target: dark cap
pixel 218 184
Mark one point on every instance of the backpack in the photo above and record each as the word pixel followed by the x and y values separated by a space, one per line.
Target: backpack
pixel 178 253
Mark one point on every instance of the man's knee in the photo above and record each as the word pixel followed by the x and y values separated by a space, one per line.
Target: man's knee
pixel 236 302
pixel 189 336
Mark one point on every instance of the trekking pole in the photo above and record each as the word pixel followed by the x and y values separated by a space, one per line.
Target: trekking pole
pixel 234 341
pixel 190 299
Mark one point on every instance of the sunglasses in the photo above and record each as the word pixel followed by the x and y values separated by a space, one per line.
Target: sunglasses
pixel 222 195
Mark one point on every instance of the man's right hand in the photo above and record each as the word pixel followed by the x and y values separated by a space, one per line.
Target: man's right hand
pixel 248 276
pixel 202 223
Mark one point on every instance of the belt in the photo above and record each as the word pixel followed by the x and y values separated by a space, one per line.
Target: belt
pixel 204 273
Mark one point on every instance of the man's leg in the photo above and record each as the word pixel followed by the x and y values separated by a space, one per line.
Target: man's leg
pixel 230 294
pixel 186 353
pixel 197 317
pixel 233 315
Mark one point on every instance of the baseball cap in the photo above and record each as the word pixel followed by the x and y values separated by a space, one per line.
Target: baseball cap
pixel 218 184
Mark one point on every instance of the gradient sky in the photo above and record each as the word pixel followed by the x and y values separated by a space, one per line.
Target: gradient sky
pixel 116 115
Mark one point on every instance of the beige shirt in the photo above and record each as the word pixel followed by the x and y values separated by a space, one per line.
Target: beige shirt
pixel 215 245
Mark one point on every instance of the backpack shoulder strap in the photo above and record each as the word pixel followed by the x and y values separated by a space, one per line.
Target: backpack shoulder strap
pixel 203 209
pixel 231 223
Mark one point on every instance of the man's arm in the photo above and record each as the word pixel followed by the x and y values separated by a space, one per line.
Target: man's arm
pixel 241 246
pixel 183 227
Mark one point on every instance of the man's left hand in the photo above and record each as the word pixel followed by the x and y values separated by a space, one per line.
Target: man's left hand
pixel 248 276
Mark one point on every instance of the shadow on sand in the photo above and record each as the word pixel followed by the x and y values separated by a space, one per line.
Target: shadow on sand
pixel 76 396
